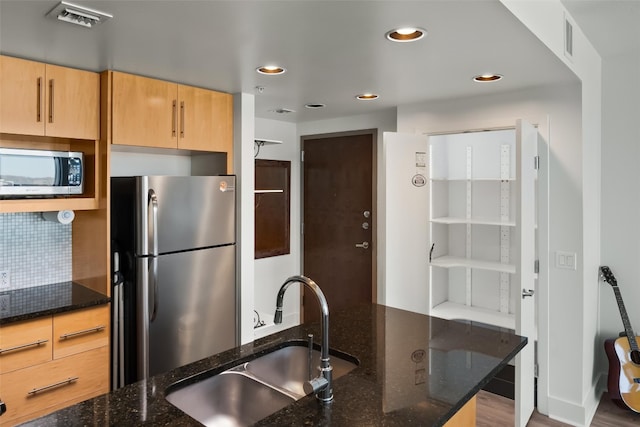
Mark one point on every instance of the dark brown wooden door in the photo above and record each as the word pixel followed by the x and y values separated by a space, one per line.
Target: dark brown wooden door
pixel 338 173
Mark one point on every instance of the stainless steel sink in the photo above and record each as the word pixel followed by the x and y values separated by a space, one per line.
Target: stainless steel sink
pixel 229 399
pixel 251 391
pixel 288 368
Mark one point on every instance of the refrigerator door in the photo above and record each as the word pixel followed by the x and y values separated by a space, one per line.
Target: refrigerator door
pixel 195 307
pixel 192 212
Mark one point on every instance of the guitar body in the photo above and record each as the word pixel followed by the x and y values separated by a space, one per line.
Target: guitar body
pixel 624 373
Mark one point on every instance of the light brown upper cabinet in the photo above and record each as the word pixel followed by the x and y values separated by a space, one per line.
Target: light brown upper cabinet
pixel 48 100
pixel 154 113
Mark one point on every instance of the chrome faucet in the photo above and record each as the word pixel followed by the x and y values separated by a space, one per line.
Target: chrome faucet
pixel 322 384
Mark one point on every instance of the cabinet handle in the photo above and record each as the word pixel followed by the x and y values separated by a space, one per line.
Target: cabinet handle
pixel 173 119
pixel 84 331
pixel 39 101
pixel 51 101
pixel 68 381
pixel 23 346
pixel 181 119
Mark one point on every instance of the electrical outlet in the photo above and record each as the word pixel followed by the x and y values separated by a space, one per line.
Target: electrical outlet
pixel 5 301
pixel 5 279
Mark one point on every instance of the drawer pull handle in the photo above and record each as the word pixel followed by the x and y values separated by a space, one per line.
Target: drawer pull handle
pixel 85 331
pixel 23 346
pixel 68 381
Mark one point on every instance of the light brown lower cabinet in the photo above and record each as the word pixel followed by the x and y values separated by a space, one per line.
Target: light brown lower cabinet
pixel 466 416
pixel 76 366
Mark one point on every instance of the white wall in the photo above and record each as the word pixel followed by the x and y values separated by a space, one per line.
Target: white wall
pixel 125 162
pixel 271 272
pixel 560 106
pixel 243 167
pixel 620 207
pixel 546 20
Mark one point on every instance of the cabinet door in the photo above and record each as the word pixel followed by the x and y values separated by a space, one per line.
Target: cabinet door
pixel 407 230
pixel 527 144
pixel 144 111
pixel 22 85
pixel 205 120
pixel 72 107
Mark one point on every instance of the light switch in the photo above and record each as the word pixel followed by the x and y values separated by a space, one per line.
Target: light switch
pixel 566 260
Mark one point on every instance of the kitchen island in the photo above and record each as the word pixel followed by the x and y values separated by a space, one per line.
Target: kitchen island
pixel 412 370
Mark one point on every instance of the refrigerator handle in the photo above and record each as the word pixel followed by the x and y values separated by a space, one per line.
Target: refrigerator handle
pixel 153 236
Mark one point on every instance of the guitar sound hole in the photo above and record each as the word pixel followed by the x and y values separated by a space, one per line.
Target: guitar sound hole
pixel 635 357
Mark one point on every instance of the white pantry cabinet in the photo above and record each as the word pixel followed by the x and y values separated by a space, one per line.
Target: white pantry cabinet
pixel 463 245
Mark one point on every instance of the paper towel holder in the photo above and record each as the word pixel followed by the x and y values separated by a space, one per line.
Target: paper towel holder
pixel 62 217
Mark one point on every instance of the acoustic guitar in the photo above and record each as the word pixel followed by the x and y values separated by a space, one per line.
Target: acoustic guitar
pixel 624 356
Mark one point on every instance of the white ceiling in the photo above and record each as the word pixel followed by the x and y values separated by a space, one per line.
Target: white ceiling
pixel 332 50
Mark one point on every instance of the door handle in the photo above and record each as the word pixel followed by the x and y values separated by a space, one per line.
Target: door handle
pixel 363 245
pixel 153 199
pixel 527 293
pixel 51 102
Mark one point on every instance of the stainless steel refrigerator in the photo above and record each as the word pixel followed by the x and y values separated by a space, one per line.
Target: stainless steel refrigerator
pixel 174 272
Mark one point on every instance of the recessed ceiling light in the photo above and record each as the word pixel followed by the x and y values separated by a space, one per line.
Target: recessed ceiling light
pixel 367 96
pixel 270 70
pixel 314 106
pixel 484 78
pixel 406 34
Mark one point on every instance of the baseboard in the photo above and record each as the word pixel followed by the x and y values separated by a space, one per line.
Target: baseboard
pixel 574 414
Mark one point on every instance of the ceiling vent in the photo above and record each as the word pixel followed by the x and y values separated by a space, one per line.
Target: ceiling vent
pixel 568 37
pixel 78 15
pixel 283 111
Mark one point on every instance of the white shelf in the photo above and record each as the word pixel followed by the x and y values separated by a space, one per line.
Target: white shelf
pixel 475 221
pixel 450 310
pixel 452 261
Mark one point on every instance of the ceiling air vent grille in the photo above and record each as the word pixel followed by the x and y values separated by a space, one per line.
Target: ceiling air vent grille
pixel 283 110
pixel 568 38
pixel 78 15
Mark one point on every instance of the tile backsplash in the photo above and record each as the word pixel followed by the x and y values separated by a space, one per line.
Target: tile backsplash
pixel 34 251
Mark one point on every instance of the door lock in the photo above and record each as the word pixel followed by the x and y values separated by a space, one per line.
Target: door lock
pixel 366 214
pixel 363 245
pixel 365 225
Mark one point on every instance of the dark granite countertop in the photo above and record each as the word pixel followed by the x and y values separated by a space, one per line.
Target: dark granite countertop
pixel 38 301
pixel 413 370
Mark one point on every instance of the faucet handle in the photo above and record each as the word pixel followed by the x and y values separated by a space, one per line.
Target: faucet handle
pixel 315 385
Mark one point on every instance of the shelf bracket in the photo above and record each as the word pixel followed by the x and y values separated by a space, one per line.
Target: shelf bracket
pixel 468 217
pixel 505 232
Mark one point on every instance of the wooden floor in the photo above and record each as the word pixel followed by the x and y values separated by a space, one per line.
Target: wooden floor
pixel 498 411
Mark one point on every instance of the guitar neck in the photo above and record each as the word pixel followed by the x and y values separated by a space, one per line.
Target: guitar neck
pixel 625 320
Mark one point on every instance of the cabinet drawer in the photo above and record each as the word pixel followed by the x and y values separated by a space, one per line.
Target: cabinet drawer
pixel 53 385
pixel 25 344
pixel 80 331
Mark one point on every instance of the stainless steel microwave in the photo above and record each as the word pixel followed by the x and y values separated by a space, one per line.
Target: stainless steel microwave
pixel 32 173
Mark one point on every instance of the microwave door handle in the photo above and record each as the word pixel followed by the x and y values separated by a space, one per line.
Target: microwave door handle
pixel 153 236
pixel 58 166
